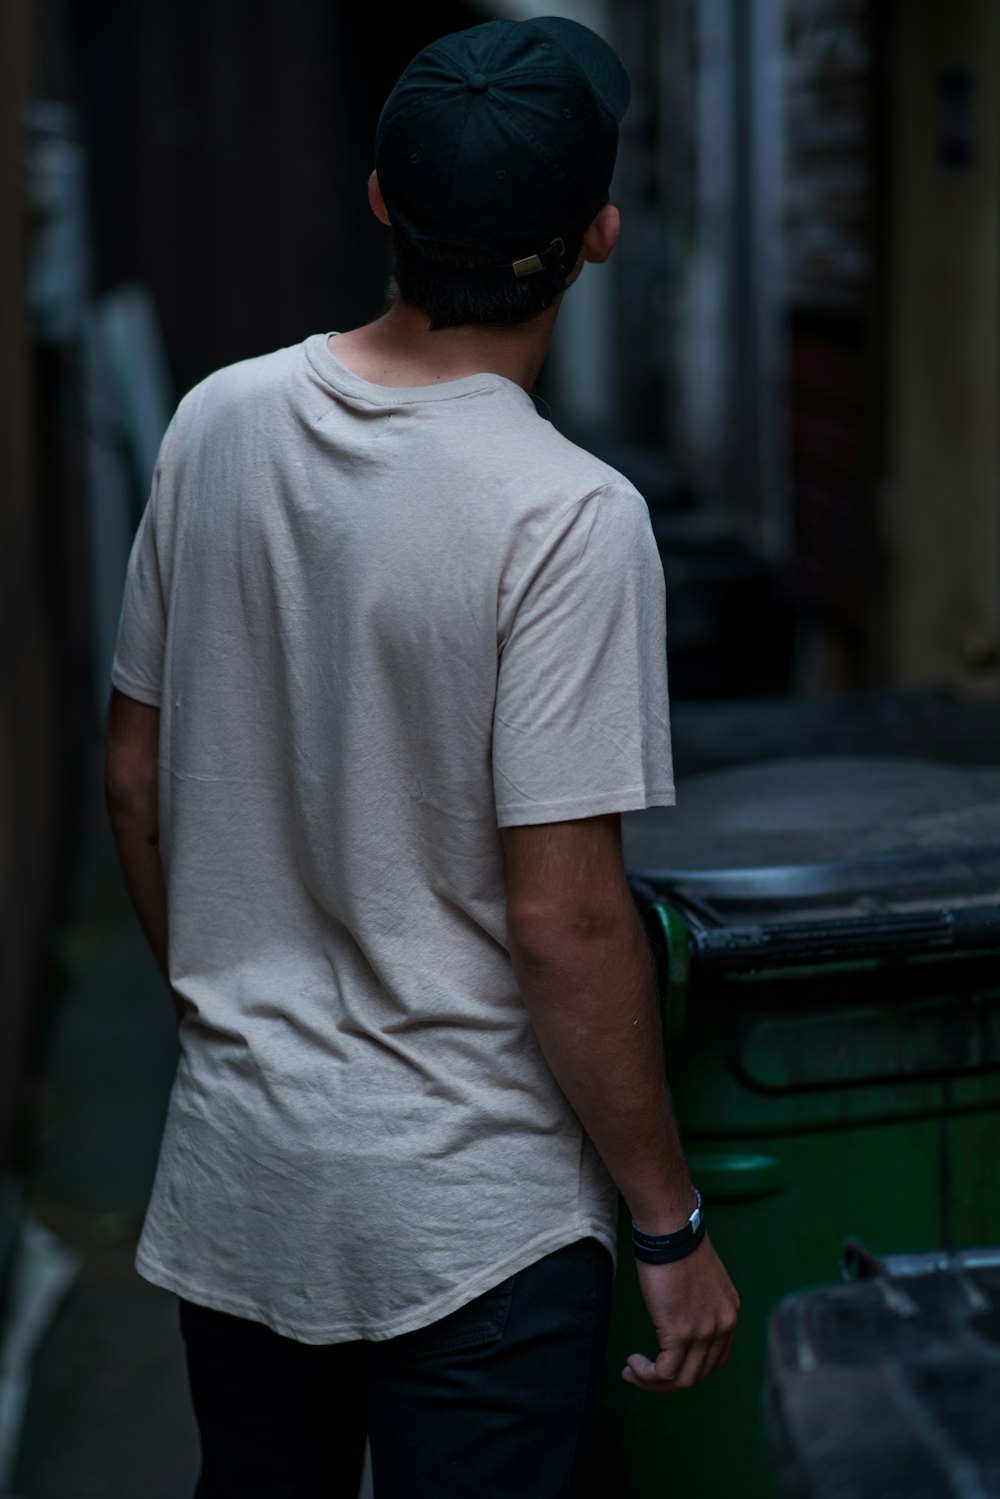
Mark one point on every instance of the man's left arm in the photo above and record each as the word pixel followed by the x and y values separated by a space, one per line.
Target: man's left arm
pixel 131 782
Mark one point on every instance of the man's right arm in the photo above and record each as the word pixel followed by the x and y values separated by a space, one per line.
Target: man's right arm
pixel 584 971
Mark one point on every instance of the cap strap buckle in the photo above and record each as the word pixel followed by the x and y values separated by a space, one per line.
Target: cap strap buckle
pixel 529 264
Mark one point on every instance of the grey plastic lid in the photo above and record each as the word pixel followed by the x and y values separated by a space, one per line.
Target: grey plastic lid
pixel 836 829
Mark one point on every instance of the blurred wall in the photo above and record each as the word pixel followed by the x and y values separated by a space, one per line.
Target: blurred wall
pixel 229 146
pixel 942 530
pixel 836 326
pixel 829 325
pixel 28 811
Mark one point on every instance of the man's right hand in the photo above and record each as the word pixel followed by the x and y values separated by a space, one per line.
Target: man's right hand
pixel 693 1307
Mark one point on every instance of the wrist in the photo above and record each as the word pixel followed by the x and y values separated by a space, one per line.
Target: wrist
pixel 677 1244
pixel 663 1215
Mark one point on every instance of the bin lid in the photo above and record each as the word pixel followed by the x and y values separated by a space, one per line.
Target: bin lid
pixel 831 831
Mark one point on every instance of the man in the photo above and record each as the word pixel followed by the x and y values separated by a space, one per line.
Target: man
pixel 391 664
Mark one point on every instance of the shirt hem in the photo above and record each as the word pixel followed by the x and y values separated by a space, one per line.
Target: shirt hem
pixel 134 689
pixel 635 799
pixel 376 1332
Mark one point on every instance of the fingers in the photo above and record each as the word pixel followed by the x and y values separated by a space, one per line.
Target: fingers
pixel 667 1374
pixel 641 1372
pixel 680 1367
pixel 726 1349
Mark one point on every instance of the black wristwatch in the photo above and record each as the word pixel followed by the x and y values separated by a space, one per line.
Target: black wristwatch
pixel 663 1249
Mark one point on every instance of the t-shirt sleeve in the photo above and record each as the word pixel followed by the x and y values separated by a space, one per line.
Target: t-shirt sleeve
pixel 137 668
pixel 581 724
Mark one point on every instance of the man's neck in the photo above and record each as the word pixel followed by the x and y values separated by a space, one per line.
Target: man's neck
pixel 399 349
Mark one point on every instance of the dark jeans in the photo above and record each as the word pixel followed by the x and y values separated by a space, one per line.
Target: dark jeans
pixel 490 1402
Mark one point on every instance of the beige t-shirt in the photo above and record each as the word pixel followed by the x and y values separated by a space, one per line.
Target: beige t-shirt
pixel 380 624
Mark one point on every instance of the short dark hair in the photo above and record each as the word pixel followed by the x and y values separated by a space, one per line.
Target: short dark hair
pixel 454 286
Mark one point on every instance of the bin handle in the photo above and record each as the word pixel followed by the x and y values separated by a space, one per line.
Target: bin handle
pixel 737 1176
pixel 848 939
pixel 667 933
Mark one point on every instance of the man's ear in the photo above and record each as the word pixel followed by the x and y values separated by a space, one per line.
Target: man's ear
pixel 600 238
pixel 376 199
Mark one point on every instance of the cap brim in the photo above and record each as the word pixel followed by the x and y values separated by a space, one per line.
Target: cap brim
pixel 598 61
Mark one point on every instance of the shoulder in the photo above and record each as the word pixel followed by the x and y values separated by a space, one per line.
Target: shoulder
pixel 581 491
pixel 248 378
pixel 216 415
pixel 237 391
pixel 590 475
pixel 551 472
pixel 582 532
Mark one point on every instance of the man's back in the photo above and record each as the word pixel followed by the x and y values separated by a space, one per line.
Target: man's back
pixel 398 651
pixel 342 566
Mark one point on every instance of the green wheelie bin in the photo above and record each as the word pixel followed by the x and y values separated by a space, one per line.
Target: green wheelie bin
pixel 827 939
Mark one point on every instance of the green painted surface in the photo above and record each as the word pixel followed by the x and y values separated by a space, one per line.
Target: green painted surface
pixel 812 1109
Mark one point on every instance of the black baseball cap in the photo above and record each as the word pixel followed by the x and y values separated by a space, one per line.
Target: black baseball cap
pixel 502 138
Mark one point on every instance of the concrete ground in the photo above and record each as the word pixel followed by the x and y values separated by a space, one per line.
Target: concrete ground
pixel 108 1415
